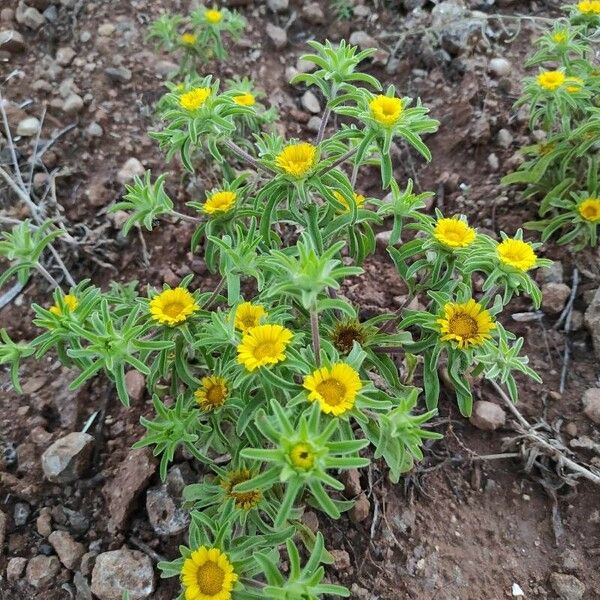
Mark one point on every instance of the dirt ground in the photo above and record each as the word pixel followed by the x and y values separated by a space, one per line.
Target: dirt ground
pixel 464 524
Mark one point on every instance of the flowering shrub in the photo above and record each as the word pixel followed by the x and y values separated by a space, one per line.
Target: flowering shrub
pixel 273 381
pixel 563 168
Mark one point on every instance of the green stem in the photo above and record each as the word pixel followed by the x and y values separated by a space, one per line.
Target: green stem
pixel 314 330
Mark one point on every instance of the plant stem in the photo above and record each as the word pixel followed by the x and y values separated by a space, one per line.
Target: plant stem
pixel 314 330
pixel 47 275
pixel 340 160
pixel 241 153
pixel 215 293
pixel 187 218
pixel 323 125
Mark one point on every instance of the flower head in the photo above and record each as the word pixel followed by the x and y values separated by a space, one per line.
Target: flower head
pixel 248 315
pixel 589 209
pixel 453 233
pixel 551 80
pixel 302 456
pixel 213 393
pixel 297 159
pixel 246 99
pixel 243 500
pixel 213 16
pixel 219 202
pixel 195 98
pixel 263 345
pixel 333 388
pixel 71 303
pixel 574 84
pixel 560 37
pixel 386 110
pixel 207 574
pixel 172 306
pixel 189 39
pixel 345 333
pixel 468 324
pixel 517 254
pixel 359 200
pixel 589 7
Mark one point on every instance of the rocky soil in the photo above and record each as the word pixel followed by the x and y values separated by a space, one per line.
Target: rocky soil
pixel 84 516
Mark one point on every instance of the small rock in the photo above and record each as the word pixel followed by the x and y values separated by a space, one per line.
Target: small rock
pixel 82 587
pixel 94 130
pixel 3 520
pixel 21 513
pixel 130 480
pixel 310 102
pixel 12 41
pixel 311 520
pixel 568 587
pixel 277 35
pixel 7 15
pixel 554 296
pixel 363 40
pixel 15 568
pixel 129 170
pixel 41 571
pixel 591 404
pixel 591 319
pixel 28 127
pixel 69 551
pixel 30 17
pixel 165 513
pixel 493 162
pixel 51 14
pixel 500 67
pixel 165 68
pixel 341 560
pixel 65 56
pixel 504 138
pixel 123 570
pixel 314 124
pixel 360 511
pixel 106 29
pixel 135 383
pixel 44 522
pixel 305 66
pixel 118 74
pixel 552 274
pixel 351 480
pixel 278 5
pixel 87 563
pixel 383 238
pixel 313 13
pixel 487 416
pixel 68 458
pixel 73 104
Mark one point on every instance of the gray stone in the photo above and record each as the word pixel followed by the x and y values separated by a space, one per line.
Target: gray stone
pixel 554 297
pixel 568 587
pixel 500 67
pixel 129 170
pixel 487 416
pixel 123 570
pixel 591 404
pixel 363 40
pixel 135 383
pixel 15 568
pixel 457 27
pixel 21 513
pixel 82 587
pixel 165 513
pixel 41 571
pixel 12 41
pixel 106 29
pixel 94 130
pixel 65 56
pixel 28 127
pixel 44 522
pixel 68 458
pixel 360 511
pixel 30 17
pixel 311 103
pixel 277 35
pixel 51 14
pixel 314 123
pixel 504 138
pixel 591 319
pixel 118 74
pixel 69 551
pixel 552 274
pixel 341 560
pixel 164 68
pixel 313 13
pixel 3 520
pixel 73 104
pixel 278 5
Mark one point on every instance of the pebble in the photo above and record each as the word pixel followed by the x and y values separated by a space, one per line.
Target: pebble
pixel 69 551
pixel 130 480
pixel 314 124
pixel 568 587
pixel 3 520
pixel 554 296
pixel 310 102
pixel 68 458
pixel 591 319
pixel 15 568
pixel 277 35
pixel 487 416
pixel 82 587
pixel 43 523
pixel 493 162
pixel 552 274
pixel 21 513
pixel 12 41
pixel 41 571
pixel 504 138
pixel 65 56
pixel 7 15
pixel 118 74
pixel 30 17
pixel 591 404
pixel 106 29
pixel 51 14
pixel 363 40
pixel 278 5
pixel 28 127
pixel 351 481
pixel 73 104
pixel 94 130
pixel 135 383
pixel 360 511
pixel 165 68
pixel 313 13
pixel 129 170
pixel 341 559
pixel 165 513
pixel 123 570
pixel 500 67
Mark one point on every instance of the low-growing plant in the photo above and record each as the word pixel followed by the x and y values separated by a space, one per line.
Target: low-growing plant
pixel 273 380
pixel 563 99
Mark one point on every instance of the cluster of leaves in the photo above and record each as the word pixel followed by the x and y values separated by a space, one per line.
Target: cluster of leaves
pixel 198 37
pixel 564 101
pixel 272 380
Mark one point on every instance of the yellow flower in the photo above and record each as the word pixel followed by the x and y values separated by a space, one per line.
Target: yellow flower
pixel 560 37
pixel 517 254
pixel 386 110
pixel 589 209
pixel 302 456
pixel 359 200
pixel 468 324
pixel 243 500
pixel 213 393
pixel 574 84
pixel 263 345
pixel 345 333
pixel 248 315
pixel 194 99
pixel 551 80
pixel 246 99
pixel 207 574
pixel 71 303
pixel 589 7
pixel 297 159
pixel 213 16
pixel 172 306
pixel 333 388
pixel 219 202
pixel 453 233
pixel 189 39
